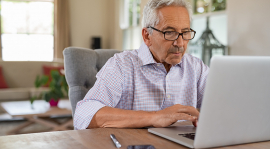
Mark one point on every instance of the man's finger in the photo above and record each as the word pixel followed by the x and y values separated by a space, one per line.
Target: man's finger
pixel 195 123
pixel 183 116
pixel 189 110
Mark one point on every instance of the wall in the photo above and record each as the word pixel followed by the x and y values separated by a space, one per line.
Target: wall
pixel 248 27
pixel 115 32
pixel 248 31
pixel 96 18
pixel 89 18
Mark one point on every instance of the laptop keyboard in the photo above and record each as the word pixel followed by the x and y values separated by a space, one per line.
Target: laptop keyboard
pixel 188 135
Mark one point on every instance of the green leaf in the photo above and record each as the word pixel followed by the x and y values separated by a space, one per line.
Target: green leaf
pixel 55 74
pixel 44 80
pixel 32 99
pixel 58 86
pixel 37 84
pixel 40 81
pixel 47 96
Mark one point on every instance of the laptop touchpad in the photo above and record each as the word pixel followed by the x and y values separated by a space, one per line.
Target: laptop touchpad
pixel 183 129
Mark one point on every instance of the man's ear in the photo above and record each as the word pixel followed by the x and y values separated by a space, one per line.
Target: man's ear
pixel 146 38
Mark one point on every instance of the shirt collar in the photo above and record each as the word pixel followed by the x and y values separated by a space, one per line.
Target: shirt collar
pixel 147 58
pixel 145 55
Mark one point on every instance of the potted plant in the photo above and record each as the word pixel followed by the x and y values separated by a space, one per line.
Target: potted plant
pixel 58 88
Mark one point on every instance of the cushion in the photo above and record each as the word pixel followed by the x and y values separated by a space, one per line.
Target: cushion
pixel 35 92
pixel 14 94
pixel 47 70
pixel 3 83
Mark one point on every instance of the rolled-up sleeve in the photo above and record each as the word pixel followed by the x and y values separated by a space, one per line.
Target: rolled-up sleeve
pixel 106 92
pixel 84 114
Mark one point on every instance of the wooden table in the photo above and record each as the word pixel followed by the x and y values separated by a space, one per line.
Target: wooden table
pixel 40 112
pixel 99 139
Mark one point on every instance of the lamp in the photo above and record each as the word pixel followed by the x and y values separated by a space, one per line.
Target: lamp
pixel 207 46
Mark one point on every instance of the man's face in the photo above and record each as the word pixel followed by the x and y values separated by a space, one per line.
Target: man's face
pixel 171 18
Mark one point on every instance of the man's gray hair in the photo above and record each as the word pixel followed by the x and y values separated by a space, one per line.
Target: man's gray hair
pixel 150 17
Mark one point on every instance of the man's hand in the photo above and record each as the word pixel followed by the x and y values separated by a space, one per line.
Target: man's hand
pixel 119 118
pixel 174 113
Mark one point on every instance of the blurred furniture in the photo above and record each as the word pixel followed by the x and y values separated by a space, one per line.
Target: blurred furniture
pixel 81 67
pixel 40 112
pixel 100 139
pixel 20 77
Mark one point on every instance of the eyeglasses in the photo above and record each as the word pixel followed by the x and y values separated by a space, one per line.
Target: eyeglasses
pixel 173 35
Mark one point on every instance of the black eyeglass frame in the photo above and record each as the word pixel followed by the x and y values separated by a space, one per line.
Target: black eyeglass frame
pixel 191 30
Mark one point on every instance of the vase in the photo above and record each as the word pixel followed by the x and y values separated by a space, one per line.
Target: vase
pixel 53 102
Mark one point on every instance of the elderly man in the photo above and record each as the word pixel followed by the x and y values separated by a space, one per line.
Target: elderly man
pixel 155 85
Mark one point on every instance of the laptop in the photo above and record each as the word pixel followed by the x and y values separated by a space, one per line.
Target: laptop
pixel 235 107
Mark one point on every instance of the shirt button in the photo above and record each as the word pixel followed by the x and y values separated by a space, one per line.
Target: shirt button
pixel 168 96
pixel 158 64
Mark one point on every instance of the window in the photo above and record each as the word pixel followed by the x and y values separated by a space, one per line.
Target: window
pixel 216 11
pixel 205 6
pixel 130 24
pixel 27 30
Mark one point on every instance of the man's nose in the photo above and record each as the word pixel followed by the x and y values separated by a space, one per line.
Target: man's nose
pixel 179 42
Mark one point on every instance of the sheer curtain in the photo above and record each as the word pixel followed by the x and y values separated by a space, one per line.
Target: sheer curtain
pixel 61 27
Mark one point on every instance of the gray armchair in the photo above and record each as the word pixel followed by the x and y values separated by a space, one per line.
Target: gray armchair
pixel 81 66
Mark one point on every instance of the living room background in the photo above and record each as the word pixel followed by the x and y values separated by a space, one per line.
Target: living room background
pixel 90 18
pixel 106 16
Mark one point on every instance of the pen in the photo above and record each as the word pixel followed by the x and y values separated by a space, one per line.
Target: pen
pixel 117 144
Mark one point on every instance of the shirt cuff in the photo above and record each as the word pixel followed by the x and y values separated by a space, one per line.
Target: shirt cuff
pixel 84 113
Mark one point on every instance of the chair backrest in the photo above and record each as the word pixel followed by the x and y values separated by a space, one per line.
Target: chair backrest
pixel 81 66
